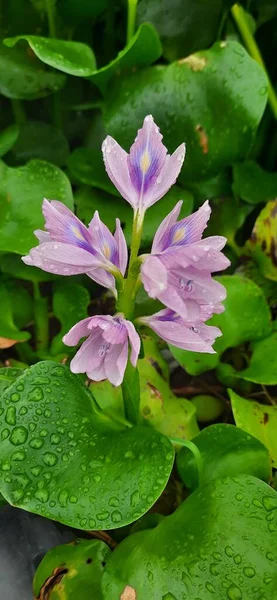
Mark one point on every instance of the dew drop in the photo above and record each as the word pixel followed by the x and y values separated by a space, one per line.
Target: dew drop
pixel 15 397
pixel 36 395
pixel 36 443
pixel 55 439
pixel 10 416
pixel 42 495
pixel 233 592
pixel 5 434
pixel 249 572
pixel 103 515
pixel 19 435
pixel 50 459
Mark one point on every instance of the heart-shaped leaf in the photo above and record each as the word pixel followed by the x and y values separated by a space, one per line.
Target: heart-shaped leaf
pixel 43 141
pixel 9 332
pixel 143 49
pixel 22 75
pixel 73 58
pixel 22 190
pixel 258 420
pixel 190 103
pixel 220 543
pixel 262 243
pixel 63 459
pixel 76 568
pixel 8 138
pixel 70 303
pixel 225 450
pixel 253 184
pixel 263 363
pixel 246 318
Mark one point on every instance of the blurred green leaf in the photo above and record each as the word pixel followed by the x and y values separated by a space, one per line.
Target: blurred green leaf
pixel 8 138
pixel 143 49
pixel 246 318
pixel 263 241
pixel 22 190
pixel 205 99
pixel 88 167
pixel 43 141
pixel 225 450
pixel 75 12
pixel 258 420
pixel 253 184
pixel 228 216
pixel 263 363
pixel 13 265
pixel 73 58
pixel 71 571
pixel 21 302
pixel 220 543
pixel 70 303
pixel 8 330
pixel 22 75
pixel 208 408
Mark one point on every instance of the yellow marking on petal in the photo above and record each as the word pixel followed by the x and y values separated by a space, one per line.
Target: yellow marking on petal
pixel 179 235
pixel 145 162
pixel 77 233
pixel 107 251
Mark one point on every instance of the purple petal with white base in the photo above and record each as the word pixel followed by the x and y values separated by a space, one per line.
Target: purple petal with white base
pixel 145 174
pixel 196 337
pixel 104 354
pixel 68 247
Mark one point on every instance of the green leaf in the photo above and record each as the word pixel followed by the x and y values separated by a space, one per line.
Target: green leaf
pixel 8 330
pixel 71 571
pixel 225 450
pixel 220 543
pixel 88 167
pixel 43 141
pixel 21 303
pixel 262 244
pixel 8 138
pixel 208 408
pixel 89 200
pixel 108 397
pixel 246 318
pixel 73 58
pixel 22 76
pixel 263 363
pixel 228 216
pixel 258 420
pixel 7 376
pixel 13 265
pixel 74 12
pixel 253 184
pixel 70 303
pixel 22 190
pixel 131 393
pixel 69 462
pixel 143 49
pixel 200 100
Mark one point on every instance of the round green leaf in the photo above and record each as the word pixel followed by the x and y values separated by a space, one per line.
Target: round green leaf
pixel 22 75
pixel 258 420
pixel 262 243
pixel 225 450
pixel 43 141
pixel 8 138
pixel 143 49
pixel 246 318
pixel 204 99
pixel 253 184
pixel 22 190
pixel 220 544
pixel 72 571
pixel 263 364
pixel 208 408
pixel 73 58
pixel 70 303
pixel 62 458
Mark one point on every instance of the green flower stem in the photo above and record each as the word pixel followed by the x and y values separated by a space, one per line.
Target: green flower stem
pixel 41 319
pixel 195 451
pixel 131 19
pixel 238 14
pixel 49 7
pixel 126 299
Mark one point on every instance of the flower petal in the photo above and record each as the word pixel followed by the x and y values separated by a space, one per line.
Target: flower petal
pixel 190 229
pixel 73 336
pixel 134 341
pixel 122 247
pixel 115 363
pixel 154 276
pixel 103 240
pixel 61 259
pixel 65 227
pixel 87 357
pixel 166 178
pixel 161 236
pixel 115 159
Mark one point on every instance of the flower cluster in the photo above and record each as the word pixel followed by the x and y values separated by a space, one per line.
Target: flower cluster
pixel 178 271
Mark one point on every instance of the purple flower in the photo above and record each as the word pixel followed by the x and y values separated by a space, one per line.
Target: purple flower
pixel 67 247
pixel 178 271
pixel 145 174
pixel 185 334
pixel 104 354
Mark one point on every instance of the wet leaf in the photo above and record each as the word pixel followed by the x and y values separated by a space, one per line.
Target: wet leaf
pixel 43 141
pixel 9 332
pixel 246 318
pixel 225 450
pixel 220 543
pixel 201 99
pixel 71 571
pixel 253 184
pixel 8 138
pixel 22 190
pixel 70 304
pixel 262 244
pixel 71 463
pixel 7 376
pixel 22 76
pixel 73 58
pixel 258 420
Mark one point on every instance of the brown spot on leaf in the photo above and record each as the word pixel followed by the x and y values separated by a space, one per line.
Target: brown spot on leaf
pixel 51 583
pixel 129 593
pixel 203 138
pixel 195 63
pixel 266 418
pixel 154 391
